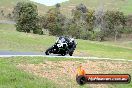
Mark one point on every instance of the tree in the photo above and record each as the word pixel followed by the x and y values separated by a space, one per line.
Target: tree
pixel 72 29
pixel 81 7
pixel 26 16
pixel 54 21
pixel 9 15
pixel 58 5
pixel 108 24
pixel 2 12
pixel 84 19
pixel 90 18
pixel 115 22
pixel 79 12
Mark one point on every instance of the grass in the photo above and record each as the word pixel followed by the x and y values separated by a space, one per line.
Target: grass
pixel 66 7
pixel 127 8
pixel 121 5
pixel 37 60
pixel 103 50
pixel 124 43
pixel 8 5
pixel 13 75
pixel 12 40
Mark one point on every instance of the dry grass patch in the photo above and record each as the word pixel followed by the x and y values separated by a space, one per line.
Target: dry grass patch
pixel 64 72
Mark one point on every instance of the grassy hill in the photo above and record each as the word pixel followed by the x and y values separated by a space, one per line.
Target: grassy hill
pixel 8 5
pixel 122 5
pixel 66 7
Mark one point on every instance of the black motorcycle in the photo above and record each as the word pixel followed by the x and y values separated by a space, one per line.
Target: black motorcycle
pixel 63 46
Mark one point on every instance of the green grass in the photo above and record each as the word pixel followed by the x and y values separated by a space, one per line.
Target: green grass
pixel 37 60
pixel 10 39
pixel 104 50
pixel 124 43
pixel 11 77
pixel 127 7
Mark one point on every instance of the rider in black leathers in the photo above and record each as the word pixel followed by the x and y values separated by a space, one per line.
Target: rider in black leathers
pixel 70 42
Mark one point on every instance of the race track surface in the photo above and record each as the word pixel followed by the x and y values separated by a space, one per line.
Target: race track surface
pixel 4 53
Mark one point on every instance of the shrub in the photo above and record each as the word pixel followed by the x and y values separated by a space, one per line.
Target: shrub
pixel 26 17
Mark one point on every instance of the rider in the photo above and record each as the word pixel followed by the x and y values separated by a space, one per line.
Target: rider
pixel 70 42
pixel 63 39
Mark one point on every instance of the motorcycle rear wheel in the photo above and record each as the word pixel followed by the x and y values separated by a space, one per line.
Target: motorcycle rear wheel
pixel 63 54
pixel 70 53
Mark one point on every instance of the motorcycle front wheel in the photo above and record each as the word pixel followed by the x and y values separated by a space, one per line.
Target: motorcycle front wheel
pixel 48 51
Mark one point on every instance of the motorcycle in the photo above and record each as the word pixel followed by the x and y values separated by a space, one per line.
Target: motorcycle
pixel 62 47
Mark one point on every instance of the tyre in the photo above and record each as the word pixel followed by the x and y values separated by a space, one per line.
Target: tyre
pixel 70 53
pixel 63 54
pixel 48 51
pixel 81 80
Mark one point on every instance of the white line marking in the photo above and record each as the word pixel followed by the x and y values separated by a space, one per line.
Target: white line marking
pixel 88 58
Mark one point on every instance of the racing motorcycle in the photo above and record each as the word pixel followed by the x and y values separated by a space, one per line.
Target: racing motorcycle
pixel 62 46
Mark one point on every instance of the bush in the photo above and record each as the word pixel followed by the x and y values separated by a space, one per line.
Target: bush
pixel 112 23
pixel 26 17
pixel 54 21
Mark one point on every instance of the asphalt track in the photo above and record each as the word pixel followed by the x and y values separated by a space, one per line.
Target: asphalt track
pixel 4 54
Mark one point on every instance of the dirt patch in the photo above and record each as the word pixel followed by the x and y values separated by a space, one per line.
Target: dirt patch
pixel 64 72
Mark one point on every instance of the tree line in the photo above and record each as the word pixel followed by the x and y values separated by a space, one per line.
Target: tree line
pixel 83 24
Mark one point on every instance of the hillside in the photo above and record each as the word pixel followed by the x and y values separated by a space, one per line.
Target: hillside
pixel 66 7
pixel 7 6
pixel 122 5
